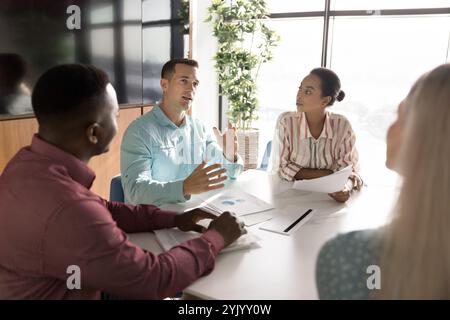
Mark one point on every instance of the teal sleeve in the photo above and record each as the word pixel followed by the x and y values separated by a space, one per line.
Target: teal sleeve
pixel 136 170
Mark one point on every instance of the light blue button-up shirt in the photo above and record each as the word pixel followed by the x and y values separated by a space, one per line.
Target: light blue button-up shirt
pixel 156 157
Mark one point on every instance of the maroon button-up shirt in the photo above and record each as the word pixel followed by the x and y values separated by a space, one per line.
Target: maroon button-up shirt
pixel 50 220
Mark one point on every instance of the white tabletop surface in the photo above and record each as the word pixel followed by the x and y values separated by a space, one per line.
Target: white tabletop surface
pixel 283 267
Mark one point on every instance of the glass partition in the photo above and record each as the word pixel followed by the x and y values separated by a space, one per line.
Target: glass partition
pixel 129 39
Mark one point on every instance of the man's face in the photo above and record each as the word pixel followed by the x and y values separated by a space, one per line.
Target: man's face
pixel 179 91
pixel 107 120
pixel 309 95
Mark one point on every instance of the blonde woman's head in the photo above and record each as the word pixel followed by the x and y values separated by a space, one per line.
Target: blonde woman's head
pixel 416 249
pixel 427 126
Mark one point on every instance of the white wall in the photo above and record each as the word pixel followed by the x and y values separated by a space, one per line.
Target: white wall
pixel 204 46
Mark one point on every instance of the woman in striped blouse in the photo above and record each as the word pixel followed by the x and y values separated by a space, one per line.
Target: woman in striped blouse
pixel 313 142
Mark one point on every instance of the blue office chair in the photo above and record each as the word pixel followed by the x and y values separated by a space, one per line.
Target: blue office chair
pixel 115 190
pixel 266 157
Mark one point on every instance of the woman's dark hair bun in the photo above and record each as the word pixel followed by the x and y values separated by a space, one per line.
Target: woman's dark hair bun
pixel 340 96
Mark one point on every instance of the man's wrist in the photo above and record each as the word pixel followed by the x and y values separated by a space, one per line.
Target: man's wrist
pixel 186 193
pixel 177 220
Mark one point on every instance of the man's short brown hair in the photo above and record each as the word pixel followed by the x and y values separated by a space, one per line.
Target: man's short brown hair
pixel 169 67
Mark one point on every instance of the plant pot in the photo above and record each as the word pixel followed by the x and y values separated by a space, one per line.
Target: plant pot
pixel 248 147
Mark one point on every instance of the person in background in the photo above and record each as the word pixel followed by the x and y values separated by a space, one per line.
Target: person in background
pixel 164 153
pixel 14 95
pixel 411 252
pixel 313 142
pixel 51 223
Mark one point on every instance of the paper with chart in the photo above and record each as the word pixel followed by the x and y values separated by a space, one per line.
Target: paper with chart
pixel 237 201
pixel 169 238
pixel 332 183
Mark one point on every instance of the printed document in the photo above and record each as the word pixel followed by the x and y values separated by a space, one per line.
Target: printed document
pixel 236 201
pixel 332 183
pixel 169 238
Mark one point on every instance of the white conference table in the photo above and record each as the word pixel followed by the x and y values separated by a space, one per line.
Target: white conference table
pixel 283 267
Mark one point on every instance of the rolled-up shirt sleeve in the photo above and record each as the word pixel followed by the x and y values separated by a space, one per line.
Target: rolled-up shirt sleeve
pixel 85 235
pixel 347 153
pixel 287 168
pixel 140 218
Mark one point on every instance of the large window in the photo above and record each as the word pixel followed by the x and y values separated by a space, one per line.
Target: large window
pixel 114 36
pixel 281 6
pixel 298 53
pixel 378 49
pixel 155 53
pixel 378 59
pixel 162 39
pixel 387 4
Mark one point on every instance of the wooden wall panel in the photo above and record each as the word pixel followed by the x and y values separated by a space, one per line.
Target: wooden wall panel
pixel 146 109
pixel 17 133
pixel 14 135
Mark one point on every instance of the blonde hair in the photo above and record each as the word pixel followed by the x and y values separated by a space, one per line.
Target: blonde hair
pixel 415 256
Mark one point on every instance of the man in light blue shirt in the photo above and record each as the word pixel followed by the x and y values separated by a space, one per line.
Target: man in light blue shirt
pixel 164 153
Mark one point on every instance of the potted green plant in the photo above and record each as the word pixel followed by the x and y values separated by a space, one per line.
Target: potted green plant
pixel 245 42
pixel 183 15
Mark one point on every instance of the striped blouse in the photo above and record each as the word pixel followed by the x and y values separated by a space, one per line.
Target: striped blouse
pixel 297 148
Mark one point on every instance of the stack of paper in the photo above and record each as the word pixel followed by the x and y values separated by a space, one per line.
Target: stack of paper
pixel 169 238
pixel 332 183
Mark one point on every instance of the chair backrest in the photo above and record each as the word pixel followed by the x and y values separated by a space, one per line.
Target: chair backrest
pixel 116 190
pixel 266 156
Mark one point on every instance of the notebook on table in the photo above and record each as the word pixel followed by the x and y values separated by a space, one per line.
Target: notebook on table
pixel 289 222
pixel 169 238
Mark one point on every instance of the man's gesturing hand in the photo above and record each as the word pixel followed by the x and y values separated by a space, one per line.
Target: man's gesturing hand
pixel 203 179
